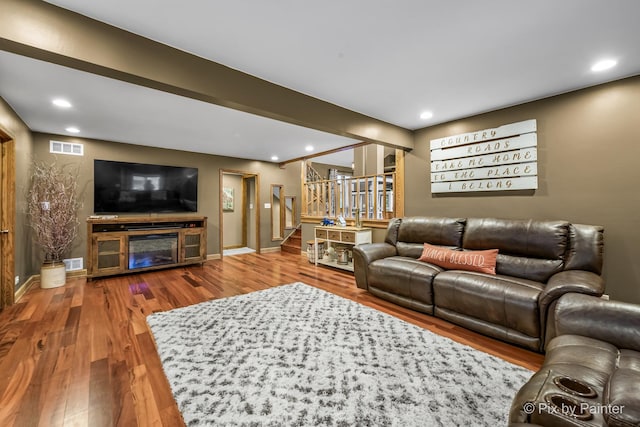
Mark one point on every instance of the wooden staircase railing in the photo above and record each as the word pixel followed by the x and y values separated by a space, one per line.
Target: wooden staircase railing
pixel 372 197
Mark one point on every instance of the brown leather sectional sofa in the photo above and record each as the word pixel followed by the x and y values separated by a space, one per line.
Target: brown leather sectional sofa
pixel 591 373
pixel 537 262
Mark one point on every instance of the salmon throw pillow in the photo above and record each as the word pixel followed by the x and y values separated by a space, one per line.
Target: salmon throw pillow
pixel 481 261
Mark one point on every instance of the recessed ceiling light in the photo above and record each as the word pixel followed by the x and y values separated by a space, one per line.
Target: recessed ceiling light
pixel 604 65
pixel 72 129
pixel 274 158
pixel 426 115
pixel 62 103
pixel 309 148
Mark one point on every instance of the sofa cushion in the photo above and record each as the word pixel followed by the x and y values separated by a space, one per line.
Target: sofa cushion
pixel 494 330
pixel 586 247
pixel 629 359
pixel 404 276
pixel 392 231
pixel 615 322
pixel 413 232
pixel 596 359
pixel 480 261
pixel 529 249
pixel 507 301
pixel 539 270
pixel 622 397
pixel 528 238
pixel 411 250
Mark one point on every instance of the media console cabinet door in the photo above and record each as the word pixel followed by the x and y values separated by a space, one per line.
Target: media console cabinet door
pixel 192 246
pixel 108 255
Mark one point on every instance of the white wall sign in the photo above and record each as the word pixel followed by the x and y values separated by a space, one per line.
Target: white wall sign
pixel 503 158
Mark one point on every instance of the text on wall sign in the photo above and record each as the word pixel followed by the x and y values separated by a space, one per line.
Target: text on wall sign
pixel 503 158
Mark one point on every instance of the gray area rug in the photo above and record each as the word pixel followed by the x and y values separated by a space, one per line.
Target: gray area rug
pixel 295 355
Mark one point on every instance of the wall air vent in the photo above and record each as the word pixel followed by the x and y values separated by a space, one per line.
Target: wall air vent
pixel 71 148
pixel 73 264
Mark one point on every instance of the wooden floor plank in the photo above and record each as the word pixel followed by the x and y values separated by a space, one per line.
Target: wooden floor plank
pixel 122 396
pixel 100 394
pixel 146 407
pixel 55 391
pixel 82 355
pixel 15 394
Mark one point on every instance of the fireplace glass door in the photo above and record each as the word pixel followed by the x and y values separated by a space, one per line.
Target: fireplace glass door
pixel 153 249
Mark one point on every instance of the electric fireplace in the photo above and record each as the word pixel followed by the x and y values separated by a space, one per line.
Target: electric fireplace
pixel 153 249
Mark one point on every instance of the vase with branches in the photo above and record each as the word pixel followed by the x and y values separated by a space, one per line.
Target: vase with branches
pixel 52 207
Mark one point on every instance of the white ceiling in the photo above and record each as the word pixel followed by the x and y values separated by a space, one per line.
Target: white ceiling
pixel 388 60
pixel 113 110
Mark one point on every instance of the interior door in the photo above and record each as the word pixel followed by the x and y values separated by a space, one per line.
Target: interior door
pixel 251 219
pixel 247 203
pixel 7 219
pixel 249 211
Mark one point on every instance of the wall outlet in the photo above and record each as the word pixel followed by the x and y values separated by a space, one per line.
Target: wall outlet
pixel 16 280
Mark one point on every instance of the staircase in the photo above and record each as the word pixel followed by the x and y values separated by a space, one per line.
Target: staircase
pixel 316 192
pixel 293 243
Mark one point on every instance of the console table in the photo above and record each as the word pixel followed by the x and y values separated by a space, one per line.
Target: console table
pixel 332 235
pixel 117 245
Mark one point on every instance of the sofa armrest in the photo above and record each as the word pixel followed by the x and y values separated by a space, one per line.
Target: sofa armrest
pixel 576 281
pixel 615 322
pixel 365 254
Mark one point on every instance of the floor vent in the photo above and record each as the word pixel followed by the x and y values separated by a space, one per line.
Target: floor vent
pixel 71 148
pixel 73 264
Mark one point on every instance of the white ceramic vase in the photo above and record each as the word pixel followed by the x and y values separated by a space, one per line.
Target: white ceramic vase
pixel 52 275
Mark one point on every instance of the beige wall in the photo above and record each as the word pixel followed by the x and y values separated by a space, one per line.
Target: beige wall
pixel 588 152
pixel 208 179
pixel 15 127
pixel 323 169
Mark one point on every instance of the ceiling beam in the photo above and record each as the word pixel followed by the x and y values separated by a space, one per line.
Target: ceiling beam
pixel 46 32
pixel 324 153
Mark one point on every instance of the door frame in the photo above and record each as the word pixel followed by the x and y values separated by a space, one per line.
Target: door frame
pixel 7 219
pixel 246 180
pixel 244 175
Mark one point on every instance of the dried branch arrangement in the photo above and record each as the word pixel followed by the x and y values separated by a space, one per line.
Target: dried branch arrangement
pixel 52 207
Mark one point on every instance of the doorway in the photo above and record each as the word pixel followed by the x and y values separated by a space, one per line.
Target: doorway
pixel 239 212
pixel 7 219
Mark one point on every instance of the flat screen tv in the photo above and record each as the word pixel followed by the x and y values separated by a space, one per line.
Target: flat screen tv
pixel 121 187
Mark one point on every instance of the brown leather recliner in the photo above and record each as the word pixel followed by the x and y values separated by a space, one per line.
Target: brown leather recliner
pixel 538 261
pixel 591 373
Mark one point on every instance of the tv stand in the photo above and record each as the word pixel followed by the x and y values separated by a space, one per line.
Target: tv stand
pixel 120 245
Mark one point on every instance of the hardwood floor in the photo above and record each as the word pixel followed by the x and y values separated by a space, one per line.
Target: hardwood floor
pixel 82 355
